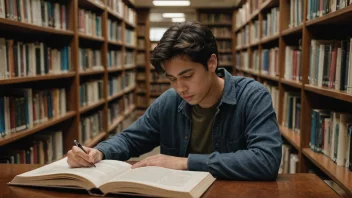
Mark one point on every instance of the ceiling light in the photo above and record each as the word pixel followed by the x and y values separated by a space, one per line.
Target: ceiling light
pixel 172 15
pixel 178 19
pixel 171 3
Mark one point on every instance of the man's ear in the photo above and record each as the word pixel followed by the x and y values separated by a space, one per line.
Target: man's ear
pixel 212 63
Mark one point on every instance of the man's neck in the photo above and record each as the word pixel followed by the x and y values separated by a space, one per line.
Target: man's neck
pixel 214 94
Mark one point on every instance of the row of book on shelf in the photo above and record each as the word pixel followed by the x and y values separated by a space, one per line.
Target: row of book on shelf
pixel 22 109
pixel 330 132
pixel 91 125
pixel 331 65
pixel 331 135
pixel 89 23
pixel 91 59
pixel 21 59
pixel 47 146
pixel 291 106
pixel 118 83
pixel 54 14
pixel 251 33
pixel 36 12
pixel 215 18
pixel 119 8
pixel 114 31
pixel 42 148
pixel 269 58
pixel 316 8
pixel 90 92
pixel 289 160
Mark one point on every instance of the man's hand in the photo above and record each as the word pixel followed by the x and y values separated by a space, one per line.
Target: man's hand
pixel 178 163
pixel 77 158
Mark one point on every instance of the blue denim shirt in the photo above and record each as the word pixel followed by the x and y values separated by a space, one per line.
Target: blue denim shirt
pixel 246 137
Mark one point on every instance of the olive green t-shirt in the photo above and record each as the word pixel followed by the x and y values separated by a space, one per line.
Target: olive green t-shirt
pixel 202 124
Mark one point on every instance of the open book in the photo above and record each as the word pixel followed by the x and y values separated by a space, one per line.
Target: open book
pixel 117 177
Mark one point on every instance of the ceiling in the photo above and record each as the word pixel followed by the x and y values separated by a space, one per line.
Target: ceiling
pixel 194 3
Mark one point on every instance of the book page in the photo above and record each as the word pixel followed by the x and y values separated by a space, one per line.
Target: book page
pixel 104 171
pixel 169 179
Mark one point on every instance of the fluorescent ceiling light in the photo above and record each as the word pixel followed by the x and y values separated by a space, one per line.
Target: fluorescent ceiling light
pixel 178 19
pixel 171 3
pixel 172 15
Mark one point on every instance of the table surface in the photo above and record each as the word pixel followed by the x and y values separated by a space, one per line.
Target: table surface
pixel 287 185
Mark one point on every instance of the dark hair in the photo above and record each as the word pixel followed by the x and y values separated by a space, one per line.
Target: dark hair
pixel 190 39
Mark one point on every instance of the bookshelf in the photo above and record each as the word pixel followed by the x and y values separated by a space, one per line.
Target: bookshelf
pixel 294 43
pixel 220 23
pixel 118 40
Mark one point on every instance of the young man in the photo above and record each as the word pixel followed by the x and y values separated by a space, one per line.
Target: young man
pixel 226 126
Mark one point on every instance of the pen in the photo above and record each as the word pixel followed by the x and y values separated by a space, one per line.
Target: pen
pixel 81 147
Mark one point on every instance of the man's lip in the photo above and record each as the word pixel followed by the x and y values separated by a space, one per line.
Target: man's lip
pixel 187 97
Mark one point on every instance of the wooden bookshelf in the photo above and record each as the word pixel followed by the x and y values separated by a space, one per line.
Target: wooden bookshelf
pixel 341 95
pixel 132 47
pixel 291 136
pixel 27 27
pixel 90 38
pixel 342 15
pixel 129 89
pixel 69 124
pixel 128 67
pixel 291 31
pixel 327 27
pixel 92 4
pixel 118 69
pixel 143 46
pixel 130 110
pixel 291 83
pixel 92 72
pixel 95 140
pixel 115 15
pixel 270 39
pixel 221 18
pixel 116 96
pixel 91 106
pixel 269 77
pixel 116 43
pixel 36 78
pixel 341 175
pixel 36 128
pixel 116 122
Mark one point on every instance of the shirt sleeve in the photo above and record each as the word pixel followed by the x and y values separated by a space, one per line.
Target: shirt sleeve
pixel 140 137
pixel 261 160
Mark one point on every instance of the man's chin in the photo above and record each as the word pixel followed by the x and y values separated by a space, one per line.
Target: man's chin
pixel 191 102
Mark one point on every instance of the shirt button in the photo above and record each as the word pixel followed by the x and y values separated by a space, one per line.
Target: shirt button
pixel 186 137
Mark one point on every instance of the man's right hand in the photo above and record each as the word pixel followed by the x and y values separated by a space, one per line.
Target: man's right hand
pixel 77 158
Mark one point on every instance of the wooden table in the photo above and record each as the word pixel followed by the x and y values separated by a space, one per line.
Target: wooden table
pixel 288 186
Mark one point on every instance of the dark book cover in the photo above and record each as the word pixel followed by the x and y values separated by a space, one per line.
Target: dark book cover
pixel 349 132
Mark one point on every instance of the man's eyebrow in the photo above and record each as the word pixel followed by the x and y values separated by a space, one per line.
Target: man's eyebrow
pixel 182 72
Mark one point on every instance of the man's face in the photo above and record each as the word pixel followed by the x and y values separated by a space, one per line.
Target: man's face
pixel 190 80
